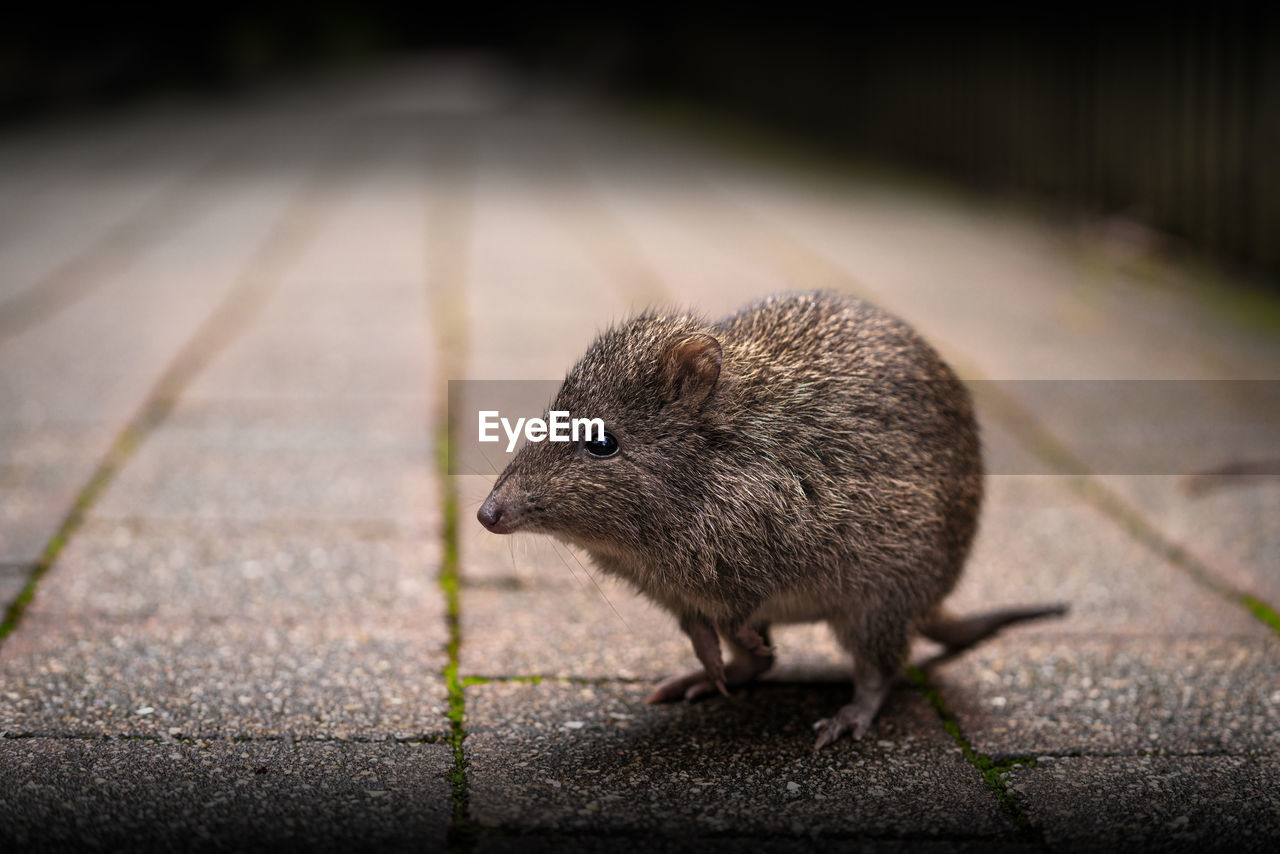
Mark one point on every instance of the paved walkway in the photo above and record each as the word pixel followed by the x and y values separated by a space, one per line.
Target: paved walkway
pixel 246 607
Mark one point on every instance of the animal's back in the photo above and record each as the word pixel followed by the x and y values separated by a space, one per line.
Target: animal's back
pixel 851 405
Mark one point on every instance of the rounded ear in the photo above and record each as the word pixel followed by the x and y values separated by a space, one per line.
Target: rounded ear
pixel 691 366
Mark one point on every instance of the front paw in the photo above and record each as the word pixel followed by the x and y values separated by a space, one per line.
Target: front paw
pixel 691 686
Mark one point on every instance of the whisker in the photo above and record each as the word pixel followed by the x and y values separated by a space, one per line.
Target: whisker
pixel 489 461
pixel 566 564
pixel 594 584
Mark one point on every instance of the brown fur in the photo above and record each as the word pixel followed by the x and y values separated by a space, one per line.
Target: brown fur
pixel 808 458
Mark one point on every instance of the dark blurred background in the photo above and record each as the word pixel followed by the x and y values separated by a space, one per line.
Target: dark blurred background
pixel 1161 117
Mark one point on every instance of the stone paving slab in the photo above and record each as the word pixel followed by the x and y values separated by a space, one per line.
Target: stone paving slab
pixel 731 844
pixel 1153 803
pixel 231 678
pixel 522 560
pixel 350 316
pixel 248 485
pixel 94 220
pixel 45 458
pixel 1034 308
pixel 1129 695
pixel 1040 542
pixel 26 523
pixel 13 577
pixel 43 468
pixel 73 379
pixel 573 632
pixel 568 757
pixel 130 290
pixel 534 298
pixel 233 442
pixel 83 794
pixel 672 214
pixel 569 632
pixel 231 629
pixel 321 363
pixel 1223 522
pixel 377 290
pixel 133 570
pixel 96 360
pixel 395 428
pixel 1182 305
pixel 1003 452
pixel 1214 519
pixel 1154 427
pixel 556 757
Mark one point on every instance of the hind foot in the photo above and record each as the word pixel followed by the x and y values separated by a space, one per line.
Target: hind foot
pixel 691 686
pixel 752 656
pixel 852 719
pixel 855 719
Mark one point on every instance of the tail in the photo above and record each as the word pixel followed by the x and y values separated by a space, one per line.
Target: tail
pixel 957 633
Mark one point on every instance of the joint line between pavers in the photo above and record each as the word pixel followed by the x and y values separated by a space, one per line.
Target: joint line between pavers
pixel 454 685
pixel 19 568
pixel 111 253
pixel 448 222
pixel 539 678
pixel 1130 519
pixel 615 249
pixel 993 772
pixel 196 738
pixel 290 233
pixel 645 839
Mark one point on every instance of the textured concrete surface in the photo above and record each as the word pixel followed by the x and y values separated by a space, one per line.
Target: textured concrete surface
pixel 231 678
pixel 217 570
pixel 730 842
pixel 79 794
pixel 1039 541
pixel 41 475
pixel 573 757
pixel 1239 547
pixel 1215 694
pixel 13 577
pixel 271 621
pixel 1153 803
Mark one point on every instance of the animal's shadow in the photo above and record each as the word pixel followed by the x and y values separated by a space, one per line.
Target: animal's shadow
pixel 779 711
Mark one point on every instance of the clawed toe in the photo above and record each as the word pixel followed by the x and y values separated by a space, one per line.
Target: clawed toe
pixel 668 691
pixel 828 731
pixel 679 688
pixel 701 689
pixel 841 723
pixel 753 642
pixel 691 686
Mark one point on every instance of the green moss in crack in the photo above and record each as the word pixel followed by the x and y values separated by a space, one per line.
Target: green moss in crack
pixel 993 772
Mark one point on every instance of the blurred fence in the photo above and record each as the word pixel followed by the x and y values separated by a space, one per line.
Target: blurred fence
pixel 1170 115
pixel 1166 113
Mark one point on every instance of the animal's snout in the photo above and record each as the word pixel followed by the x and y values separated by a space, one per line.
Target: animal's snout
pixel 490 513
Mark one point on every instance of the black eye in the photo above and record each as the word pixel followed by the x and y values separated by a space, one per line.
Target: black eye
pixel 607 447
